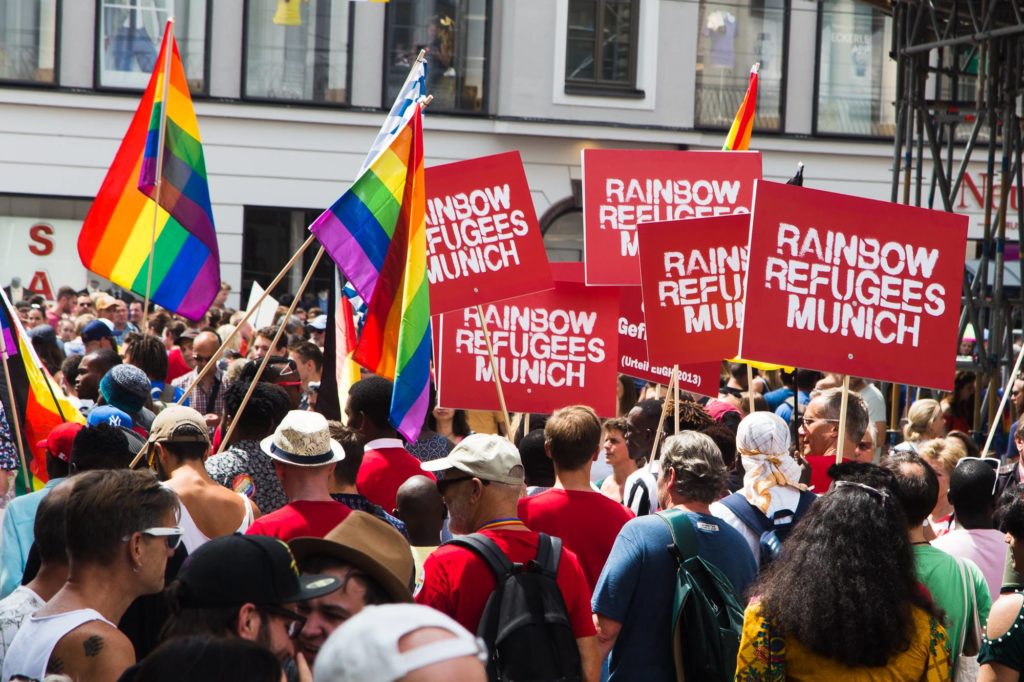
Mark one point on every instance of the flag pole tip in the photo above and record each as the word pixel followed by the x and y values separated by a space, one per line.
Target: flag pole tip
pixel 756 68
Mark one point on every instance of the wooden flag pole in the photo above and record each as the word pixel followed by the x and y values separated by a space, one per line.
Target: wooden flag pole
pixel 159 167
pixel 494 372
pixel 526 423
pixel 15 421
pixel 273 344
pixel 841 445
pixel 750 388
pixel 1002 402
pixel 675 401
pixel 211 365
pixel 672 381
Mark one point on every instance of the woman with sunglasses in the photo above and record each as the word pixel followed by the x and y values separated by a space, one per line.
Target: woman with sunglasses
pixel 1002 644
pixel 121 529
pixel 842 602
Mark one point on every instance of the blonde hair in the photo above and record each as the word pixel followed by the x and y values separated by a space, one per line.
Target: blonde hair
pixel 944 451
pixel 919 416
pixel 224 331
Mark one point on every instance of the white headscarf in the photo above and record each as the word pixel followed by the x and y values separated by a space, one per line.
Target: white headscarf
pixel 762 440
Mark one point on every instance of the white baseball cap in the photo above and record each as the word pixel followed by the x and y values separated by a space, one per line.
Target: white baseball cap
pixel 365 647
pixel 485 456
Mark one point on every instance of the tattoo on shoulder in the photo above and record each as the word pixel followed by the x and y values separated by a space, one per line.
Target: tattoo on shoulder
pixel 55 666
pixel 93 645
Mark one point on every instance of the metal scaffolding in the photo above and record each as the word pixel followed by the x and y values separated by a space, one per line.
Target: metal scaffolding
pixel 960 65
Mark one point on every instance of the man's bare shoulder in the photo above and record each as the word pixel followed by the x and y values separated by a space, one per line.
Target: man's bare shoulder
pixel 92 651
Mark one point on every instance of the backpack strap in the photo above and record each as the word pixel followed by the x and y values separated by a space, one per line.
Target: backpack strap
pixel 807 498
pixel 549 554
pixel 492 555
pixel 684 537
pixel 645 499
pixel 751 517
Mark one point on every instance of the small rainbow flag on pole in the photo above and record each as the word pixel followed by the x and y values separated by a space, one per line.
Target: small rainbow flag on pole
pixel 376 233
pixel 159 173
pixel 739 135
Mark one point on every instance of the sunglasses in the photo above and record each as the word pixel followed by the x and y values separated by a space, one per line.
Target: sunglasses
pixel 296 621
pixel 444 483
pixel 880 495
pixel 991 461
pixel 809 421
pixel 171 536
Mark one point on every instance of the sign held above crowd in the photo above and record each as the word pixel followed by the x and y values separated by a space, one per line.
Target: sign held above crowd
pixel 854 286
pixel 483 240
pixel 622 188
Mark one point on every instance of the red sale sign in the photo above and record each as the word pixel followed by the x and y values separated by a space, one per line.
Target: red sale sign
pixel 692 279
pixel 553 349
pixel 699 378
pixel 855 286
pixel 622 188
pixel 483 239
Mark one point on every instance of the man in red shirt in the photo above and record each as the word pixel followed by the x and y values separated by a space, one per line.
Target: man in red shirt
pixel 819 433
pixel 483 479
pixel 304 456
pixel 386 463
pixel 587 521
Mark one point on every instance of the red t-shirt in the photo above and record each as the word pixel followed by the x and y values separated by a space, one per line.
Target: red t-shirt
pixel 383 471
pixel 587 522
pixel 820 480
pixel 300 519
pixel 457 582
pixel 176 366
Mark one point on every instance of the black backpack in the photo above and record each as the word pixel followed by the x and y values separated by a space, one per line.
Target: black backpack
pixel 771 531
pixel 525 623
pixel 707 618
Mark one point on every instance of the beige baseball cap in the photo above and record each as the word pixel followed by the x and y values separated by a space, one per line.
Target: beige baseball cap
pixel 485 456
pixel 179 424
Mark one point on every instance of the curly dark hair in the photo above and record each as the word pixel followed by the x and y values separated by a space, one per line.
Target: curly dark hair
pixel 147 353
pixel 845 585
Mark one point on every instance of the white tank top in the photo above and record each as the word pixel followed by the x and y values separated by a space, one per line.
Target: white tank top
pixel 193 538
pixel 31 648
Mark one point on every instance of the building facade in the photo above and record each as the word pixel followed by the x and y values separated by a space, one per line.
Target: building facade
pixel 290 93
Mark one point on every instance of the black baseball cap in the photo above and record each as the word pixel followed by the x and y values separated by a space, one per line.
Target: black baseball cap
pixel 239 569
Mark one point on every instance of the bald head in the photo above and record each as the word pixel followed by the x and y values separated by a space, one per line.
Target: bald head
pixel 421 508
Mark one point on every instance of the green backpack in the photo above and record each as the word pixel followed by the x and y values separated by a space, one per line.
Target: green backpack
pixel 707 618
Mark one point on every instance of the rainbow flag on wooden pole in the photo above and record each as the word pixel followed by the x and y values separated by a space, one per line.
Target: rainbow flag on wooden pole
pixel 150 228
pixel 376 234
pixel 738 138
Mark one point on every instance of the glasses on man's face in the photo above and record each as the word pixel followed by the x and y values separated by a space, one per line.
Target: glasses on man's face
pixel 443 484
pixel 638 430
pixel 171 536
pixel 294 621
pixel 808 422
pixel 201 358
pixel 990 461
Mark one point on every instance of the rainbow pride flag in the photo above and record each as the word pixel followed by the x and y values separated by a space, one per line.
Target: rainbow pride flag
pixel 40 402
pixel 376 234
pixel 738 138
pixel 116 237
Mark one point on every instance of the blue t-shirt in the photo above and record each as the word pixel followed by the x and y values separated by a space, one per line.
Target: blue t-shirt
pixel 777 397
pixel 785 410
pixel 637 588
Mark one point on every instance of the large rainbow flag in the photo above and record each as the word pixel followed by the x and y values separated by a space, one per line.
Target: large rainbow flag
pixel 40 402
pixel 738 138
pixel 376 233
pixel 116 237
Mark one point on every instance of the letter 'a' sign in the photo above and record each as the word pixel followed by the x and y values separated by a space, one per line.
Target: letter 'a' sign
pixel 622 188
pixel 701 378
pixel 856 286
pixel 483 240
pixel 554 348
pixel 692 275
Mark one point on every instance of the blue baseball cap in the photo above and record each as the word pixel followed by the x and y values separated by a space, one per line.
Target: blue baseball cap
pixel 109 415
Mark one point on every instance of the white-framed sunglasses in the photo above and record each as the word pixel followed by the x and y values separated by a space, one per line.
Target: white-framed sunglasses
pixel 172 536
pixel 991 461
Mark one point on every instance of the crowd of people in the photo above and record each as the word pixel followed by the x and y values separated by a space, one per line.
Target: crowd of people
pixel 213 525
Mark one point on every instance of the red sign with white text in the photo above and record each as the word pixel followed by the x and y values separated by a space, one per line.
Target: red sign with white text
pixel 691 273
pixel 855 286
pixel 699 378
pixel 622 188
pixel 553 349
pixel 483 239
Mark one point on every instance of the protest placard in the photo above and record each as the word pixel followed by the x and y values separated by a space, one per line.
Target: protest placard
pixel 552 348
pixel 264 315
pixel 855 286
pixel 692 279
pixel 622 188
pixel 483 240
pixel 701 378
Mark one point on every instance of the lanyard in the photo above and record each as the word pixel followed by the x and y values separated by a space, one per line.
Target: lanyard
pixel 500 523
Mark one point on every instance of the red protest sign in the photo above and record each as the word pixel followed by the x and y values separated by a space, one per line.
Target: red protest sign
pixel 553 349
pixel 622 188
pixel 692 279
pixel 855 286
pixel 699 378
pixel 483 240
